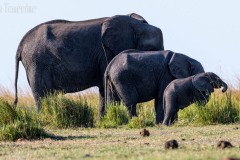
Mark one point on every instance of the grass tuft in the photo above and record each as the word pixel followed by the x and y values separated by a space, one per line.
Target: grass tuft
pixel 117 114
pixel 15 124
pixel 7 113
pixel 21 130
pixel 61 112
pixel 221 109
pixel 146 117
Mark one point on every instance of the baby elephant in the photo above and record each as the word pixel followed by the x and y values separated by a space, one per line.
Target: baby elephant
pixel 181 93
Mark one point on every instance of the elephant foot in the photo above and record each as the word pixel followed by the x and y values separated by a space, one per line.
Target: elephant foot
pixel 159 121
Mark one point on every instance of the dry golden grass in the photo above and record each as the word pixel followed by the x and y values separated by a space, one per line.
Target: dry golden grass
pixel 25 97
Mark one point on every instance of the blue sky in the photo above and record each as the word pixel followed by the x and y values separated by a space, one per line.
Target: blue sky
pixel 208 31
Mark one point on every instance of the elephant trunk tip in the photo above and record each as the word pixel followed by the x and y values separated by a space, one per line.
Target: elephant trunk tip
pixel 224 90
pixel 225 87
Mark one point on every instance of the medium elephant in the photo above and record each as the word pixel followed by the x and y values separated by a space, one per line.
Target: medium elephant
pixel 180 93
pixel 67 56
pixel 139 76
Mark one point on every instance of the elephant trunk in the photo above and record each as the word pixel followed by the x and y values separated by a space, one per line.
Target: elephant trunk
pixel 225 86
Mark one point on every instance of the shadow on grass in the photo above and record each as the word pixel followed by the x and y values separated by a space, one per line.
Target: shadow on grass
pixel 63 138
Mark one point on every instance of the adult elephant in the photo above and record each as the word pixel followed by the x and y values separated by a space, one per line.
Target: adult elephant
pixel 139 76
pixel 70 56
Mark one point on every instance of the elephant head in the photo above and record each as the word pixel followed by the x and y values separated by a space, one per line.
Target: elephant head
pixel 132 31
pixel 182 66
pixel 208 81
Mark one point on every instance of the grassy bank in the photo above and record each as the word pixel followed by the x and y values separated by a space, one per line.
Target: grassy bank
pixel 195 143
pixel 67 128
pixel 73 111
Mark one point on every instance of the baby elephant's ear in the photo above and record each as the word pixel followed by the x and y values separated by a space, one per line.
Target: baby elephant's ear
pixel 202 83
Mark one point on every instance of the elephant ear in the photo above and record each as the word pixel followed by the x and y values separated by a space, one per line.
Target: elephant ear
pixel 196 67
pixel 138 17
pixel 117 34
pixel 201 82
pixel 178 66
pixel 182 66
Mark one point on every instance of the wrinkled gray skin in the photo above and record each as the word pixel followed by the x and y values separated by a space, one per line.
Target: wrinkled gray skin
pixel 180 93
pixel 139 76
pixel 70 56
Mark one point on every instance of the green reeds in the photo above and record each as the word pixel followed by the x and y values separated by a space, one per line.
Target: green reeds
pixel 221 109
pixel 60 112
pixel 17 124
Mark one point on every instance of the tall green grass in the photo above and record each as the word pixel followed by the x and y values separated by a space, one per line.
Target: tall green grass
pixel 117 114
pixel 60 112
pixel 221 109
pixel 63 111
pixel 146 116
pixel 15 124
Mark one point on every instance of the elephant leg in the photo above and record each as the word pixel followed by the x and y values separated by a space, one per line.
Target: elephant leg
pixel 36 87
pixel 132 110
pixel 174 118
pixel 112 95
pixel 170 109
pixel 158 104
pixel 129 96
pixel 41 84
pixel 37 95
pixel 169 117
pixel 37 99
pixel 101 103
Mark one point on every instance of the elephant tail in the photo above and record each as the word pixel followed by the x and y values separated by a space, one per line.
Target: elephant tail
pixel 16 79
